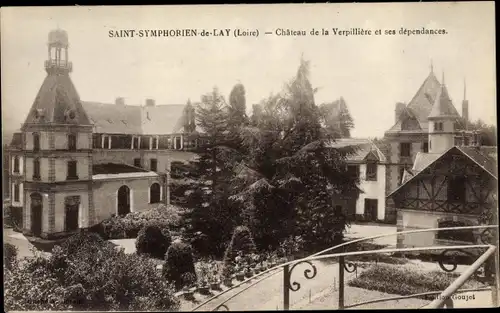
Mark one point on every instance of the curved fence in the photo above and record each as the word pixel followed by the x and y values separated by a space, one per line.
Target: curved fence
pixel 443 298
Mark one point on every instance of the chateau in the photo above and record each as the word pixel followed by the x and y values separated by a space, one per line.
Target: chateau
pixel 75 163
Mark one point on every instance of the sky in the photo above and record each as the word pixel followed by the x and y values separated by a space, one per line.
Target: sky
pixel 372 73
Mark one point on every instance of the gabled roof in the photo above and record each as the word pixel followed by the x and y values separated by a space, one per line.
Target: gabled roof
pixel 443 107
pixel 55 99
pixel 364 148
pixel 485 158
pixel 421 104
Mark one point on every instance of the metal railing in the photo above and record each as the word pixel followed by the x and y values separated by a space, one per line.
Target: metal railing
pixel 443 298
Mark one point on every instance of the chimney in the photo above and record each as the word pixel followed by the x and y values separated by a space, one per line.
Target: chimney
pixel 150 102
pixel 120 101
pixel 399 109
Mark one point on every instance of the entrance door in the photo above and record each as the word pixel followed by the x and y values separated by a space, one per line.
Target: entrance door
pixel 71 209
pixel 36 213
pixel 371 209
pixel 123 200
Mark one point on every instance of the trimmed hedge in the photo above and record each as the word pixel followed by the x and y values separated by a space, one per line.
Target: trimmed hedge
pixel 179 265
pixel 154 241
pixel 404 281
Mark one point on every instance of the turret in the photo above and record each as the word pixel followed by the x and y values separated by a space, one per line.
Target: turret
pixel 441 122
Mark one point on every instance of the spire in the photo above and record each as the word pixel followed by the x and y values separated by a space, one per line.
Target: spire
pixel 465 90
pixel 432 67
pixel 442 79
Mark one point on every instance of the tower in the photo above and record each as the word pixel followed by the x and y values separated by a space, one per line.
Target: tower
pixel 57 142
pixel 442 122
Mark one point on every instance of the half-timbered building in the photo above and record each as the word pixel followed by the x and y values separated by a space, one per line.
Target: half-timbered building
pixel 451 185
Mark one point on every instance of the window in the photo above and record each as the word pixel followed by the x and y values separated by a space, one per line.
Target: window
pixel 405 148
pixel 135 143
pixel 465 235
pixel 456 189
pixel 17 193
pixel 137 162
pixel 353 171
pixel 36 142
pixel 371 171
pixel 154 143
pixel 71 142
pixel 153 164
pixel 178 143
pixel 16 165
pixel 105 142
pixel 154 193
pixel 36 169
pixel 96 141
pixel 72 174
pixel 425 147
pixel 438 126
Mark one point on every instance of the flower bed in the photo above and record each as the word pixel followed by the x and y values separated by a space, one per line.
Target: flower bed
pixel 405 281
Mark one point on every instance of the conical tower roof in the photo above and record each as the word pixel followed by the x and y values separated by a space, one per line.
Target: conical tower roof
pixel 443 107
pixel 57 102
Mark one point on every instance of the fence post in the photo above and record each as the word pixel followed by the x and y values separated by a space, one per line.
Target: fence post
pixel 341 282
pixel 286 287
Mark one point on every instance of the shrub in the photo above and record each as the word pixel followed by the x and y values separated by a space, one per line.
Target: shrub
pixel 87 273
pixel 404 281
pixel 241 244
pixel 178 261
pixel 129 226
pixel 153 241
pixel 9 255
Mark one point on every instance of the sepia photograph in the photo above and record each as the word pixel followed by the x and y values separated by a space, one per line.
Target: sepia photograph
pixel 249 157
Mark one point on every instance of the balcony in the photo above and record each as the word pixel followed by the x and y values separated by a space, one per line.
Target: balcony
pixel 58 64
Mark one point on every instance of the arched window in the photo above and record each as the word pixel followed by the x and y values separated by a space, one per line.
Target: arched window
pixel 36 142
pixel 154 193
pixel 36 169
pixel 465 235
pixel 16 164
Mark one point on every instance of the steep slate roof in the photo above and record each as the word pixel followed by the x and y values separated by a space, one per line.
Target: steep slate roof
pixel 114 119
pixel 421 104
pixel 483 157
pixel 135 119
pixel 443 107
pixel 56 97
pixel 363 148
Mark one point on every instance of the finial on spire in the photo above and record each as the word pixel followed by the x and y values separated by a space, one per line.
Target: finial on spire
pixel 432 67
pixel 442 79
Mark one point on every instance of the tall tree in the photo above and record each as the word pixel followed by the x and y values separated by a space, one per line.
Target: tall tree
pixel 237 107
pixel 291 161
pixel 336 118
pixel 206 197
